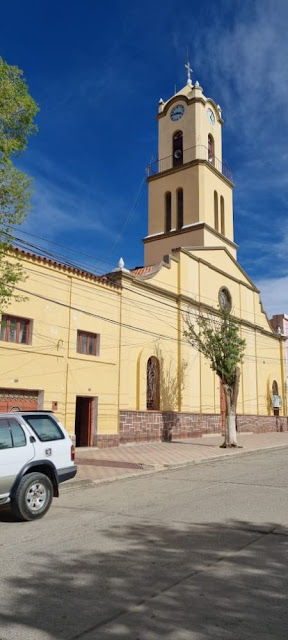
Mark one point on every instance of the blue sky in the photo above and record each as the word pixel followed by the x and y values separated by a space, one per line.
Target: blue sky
pixel 97 71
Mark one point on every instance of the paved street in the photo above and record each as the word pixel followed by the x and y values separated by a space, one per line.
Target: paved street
pixel 193 553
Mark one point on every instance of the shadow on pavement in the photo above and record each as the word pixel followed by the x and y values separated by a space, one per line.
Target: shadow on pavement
pixel 186 581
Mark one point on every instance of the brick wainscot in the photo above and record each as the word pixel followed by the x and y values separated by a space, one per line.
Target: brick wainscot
pixel 158 426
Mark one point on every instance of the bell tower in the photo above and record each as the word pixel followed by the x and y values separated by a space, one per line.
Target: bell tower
pixel 190 189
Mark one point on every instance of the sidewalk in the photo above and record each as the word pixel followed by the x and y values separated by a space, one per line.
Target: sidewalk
pixel 103 465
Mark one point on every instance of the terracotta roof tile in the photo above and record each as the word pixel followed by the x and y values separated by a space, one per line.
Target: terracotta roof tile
pixel 142 271
pixel 65 267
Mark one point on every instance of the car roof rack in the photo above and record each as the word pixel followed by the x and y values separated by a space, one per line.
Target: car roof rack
pixel 18 410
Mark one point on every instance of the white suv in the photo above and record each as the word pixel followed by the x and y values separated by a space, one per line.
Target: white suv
pixel 36 454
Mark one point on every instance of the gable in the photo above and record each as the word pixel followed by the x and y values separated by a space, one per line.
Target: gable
pixel 219 259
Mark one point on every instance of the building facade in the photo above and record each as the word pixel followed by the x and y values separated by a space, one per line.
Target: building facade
pixel 107 354
pixel 280 325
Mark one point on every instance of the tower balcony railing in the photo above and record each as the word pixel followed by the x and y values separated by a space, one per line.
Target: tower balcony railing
pixel 199 152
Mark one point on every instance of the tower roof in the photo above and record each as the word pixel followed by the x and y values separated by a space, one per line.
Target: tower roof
pixel 190 92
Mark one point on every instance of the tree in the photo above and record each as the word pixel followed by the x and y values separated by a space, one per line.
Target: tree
pixel 17 113
pixel 217 338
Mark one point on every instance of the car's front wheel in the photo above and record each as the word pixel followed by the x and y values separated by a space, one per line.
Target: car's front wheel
pixel 33 497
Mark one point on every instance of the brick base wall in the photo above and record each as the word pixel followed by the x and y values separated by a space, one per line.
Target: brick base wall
pixel 261 424
pixel 158 426
pixel 106 441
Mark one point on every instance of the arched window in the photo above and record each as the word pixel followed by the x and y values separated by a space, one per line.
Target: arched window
pixel 153 384
pixel 275 388
pixel 222 211
pixel 179 208
pixel 168 211
pixel 275 398
pixel 211 156
pixel 216 219
pixel 177 148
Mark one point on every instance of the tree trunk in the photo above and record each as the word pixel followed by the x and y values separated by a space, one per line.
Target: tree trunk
pixel 231 395
pixel 231 433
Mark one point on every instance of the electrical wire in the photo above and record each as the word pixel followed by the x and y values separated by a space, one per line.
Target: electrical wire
pixel 174 310
pixel 68 262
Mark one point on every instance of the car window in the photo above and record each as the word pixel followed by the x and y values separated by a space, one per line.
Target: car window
pixel 45 427
pixel 18 435
pixel 5 435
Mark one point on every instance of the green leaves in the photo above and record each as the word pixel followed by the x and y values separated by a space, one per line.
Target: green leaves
pixel 15 195
pixel 10 274
pixel 17 112
pixel 217 337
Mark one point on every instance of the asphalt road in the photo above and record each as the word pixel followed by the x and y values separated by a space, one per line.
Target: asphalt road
pixel 196 553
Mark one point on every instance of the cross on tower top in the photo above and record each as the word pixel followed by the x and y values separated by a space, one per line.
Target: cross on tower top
pixel 189 71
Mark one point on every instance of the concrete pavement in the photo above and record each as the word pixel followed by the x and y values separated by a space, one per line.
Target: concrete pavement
pixel 194 553
pixel 103 465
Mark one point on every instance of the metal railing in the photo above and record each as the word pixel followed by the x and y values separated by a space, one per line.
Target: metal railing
pixel 199 152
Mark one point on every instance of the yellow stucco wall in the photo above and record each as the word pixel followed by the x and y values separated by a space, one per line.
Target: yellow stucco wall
pixel 143 317
pixel 198 387
pixel 187 177
pixel 60 303
pixel 198 183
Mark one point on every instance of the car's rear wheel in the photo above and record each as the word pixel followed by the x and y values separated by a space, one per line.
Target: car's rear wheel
pixel 33 497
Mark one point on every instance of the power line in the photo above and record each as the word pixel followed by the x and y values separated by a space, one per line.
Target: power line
pixel 164 303
pixel 248 331
pixel 68 262
pixel 128 326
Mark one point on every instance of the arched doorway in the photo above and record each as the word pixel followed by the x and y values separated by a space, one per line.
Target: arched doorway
pixel 153 384
pixel 275 398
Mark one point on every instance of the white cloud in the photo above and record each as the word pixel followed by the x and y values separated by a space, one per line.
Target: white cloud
pixel 249 56
pixel 274 295
pixel 243 57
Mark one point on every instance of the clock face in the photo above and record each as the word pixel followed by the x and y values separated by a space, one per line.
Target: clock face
pixel 177 112
pixel 225 299
pixel 210 116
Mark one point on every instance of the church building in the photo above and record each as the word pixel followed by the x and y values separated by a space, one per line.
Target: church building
pixel 108 354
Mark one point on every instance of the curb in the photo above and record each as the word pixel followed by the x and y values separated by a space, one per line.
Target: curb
pixel 76 484
pixel 88 482
pixel 224 456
